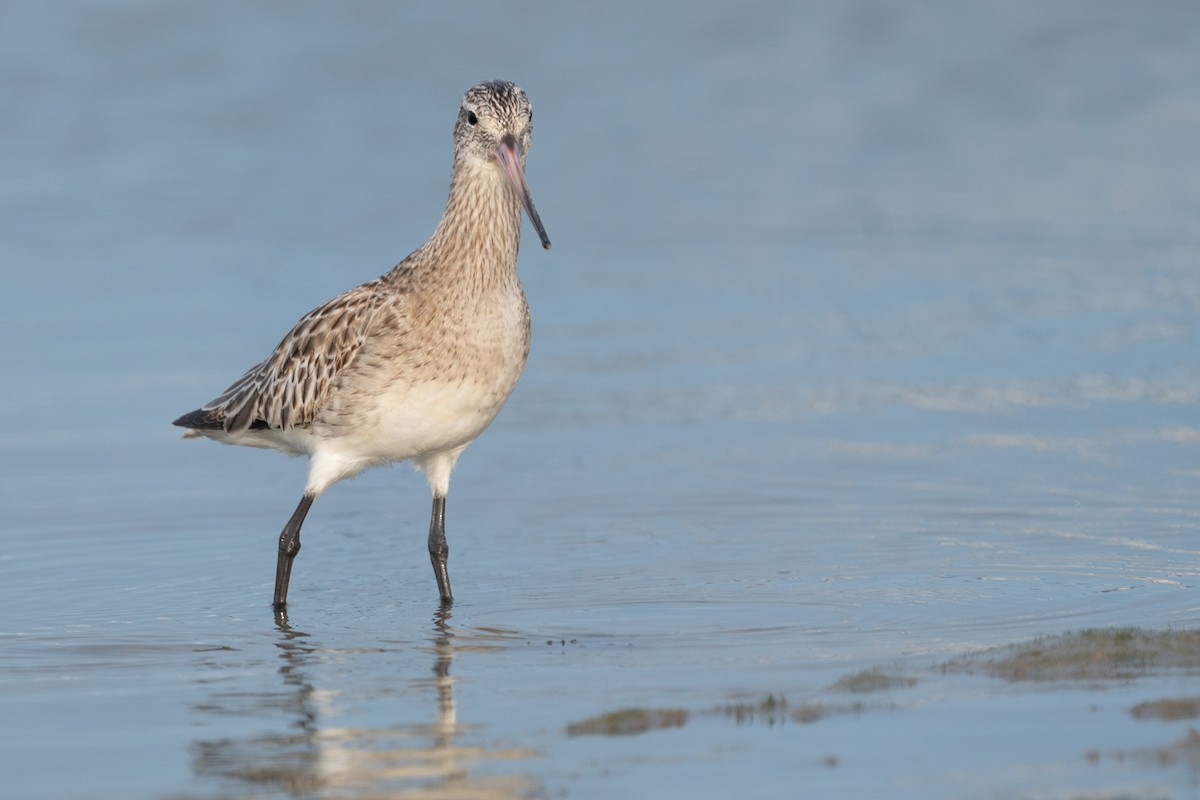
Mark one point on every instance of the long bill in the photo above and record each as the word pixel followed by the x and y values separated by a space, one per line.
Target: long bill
pixel 510 162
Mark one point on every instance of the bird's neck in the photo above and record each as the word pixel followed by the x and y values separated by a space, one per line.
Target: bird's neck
pixel 481 226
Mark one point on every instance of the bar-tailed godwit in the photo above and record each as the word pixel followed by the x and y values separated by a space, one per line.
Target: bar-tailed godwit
pixel 416 363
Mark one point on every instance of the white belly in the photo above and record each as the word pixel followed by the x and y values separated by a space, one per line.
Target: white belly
pixel 417 420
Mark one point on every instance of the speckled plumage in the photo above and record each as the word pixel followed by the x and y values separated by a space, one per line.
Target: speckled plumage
pixel 415 364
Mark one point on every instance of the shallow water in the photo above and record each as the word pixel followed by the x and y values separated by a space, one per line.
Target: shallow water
pixel 868 338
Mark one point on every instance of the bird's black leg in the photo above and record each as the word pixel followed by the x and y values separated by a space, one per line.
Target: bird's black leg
pixel 289 545
pixel 439 550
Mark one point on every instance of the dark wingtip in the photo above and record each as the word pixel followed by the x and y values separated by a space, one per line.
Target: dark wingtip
pixel 198 420
pixel 209 420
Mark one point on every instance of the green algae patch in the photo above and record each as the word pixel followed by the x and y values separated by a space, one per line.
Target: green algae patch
pixel 1094 654
pixel 1185 751
pixel 629 721
pixel 1168 709
pixel 770 710
pixel 808 713
pixel 872 680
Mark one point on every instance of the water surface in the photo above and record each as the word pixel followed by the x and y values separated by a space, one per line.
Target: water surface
pixel 868 338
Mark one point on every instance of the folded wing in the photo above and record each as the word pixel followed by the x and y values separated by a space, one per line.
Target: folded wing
pixel 292 385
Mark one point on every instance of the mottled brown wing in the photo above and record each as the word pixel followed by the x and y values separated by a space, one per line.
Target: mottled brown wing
pixel 291 386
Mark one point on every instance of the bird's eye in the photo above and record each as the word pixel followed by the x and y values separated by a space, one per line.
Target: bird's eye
pixel 472 119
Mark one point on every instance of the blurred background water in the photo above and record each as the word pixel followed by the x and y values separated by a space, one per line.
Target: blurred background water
pixel 869 333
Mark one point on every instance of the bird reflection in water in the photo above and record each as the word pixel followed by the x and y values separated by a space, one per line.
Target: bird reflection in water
pixel 316 757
